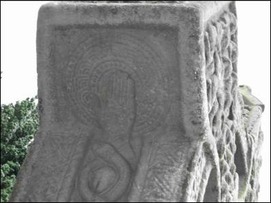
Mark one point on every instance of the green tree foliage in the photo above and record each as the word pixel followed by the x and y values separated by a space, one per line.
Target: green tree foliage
pixel 19 124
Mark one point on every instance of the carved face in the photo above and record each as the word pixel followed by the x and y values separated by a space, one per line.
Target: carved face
pixel 125 87
pixel 122 87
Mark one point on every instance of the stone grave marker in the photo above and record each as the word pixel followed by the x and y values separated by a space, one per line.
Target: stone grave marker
pixel 139 101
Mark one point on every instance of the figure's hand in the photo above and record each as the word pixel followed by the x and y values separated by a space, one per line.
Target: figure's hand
pixel 117 111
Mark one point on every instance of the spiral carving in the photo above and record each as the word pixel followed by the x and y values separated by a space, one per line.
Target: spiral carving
pixel 106 50
pixel 105 174
pixel 119 83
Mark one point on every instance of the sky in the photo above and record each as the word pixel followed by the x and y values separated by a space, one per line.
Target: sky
pixel 18 60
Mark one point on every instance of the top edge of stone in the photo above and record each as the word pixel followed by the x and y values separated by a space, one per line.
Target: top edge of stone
pixel 170 10
pixel 198 4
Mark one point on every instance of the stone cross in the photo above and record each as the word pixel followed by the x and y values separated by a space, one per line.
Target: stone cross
pixel 139 101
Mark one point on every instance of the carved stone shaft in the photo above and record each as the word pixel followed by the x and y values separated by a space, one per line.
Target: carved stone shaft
pixel 139 101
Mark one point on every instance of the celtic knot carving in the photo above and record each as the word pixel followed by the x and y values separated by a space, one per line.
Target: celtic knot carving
pixel 221 78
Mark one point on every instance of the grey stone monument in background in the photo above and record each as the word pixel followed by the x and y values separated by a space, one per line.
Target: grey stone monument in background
pixel 139 101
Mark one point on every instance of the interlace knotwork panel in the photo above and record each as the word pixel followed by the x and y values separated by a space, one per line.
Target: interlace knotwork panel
pixel 220 42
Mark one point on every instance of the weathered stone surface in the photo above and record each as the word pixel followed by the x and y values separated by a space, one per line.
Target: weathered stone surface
pixel 140 102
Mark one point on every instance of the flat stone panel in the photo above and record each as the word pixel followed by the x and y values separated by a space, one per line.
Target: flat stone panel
pixel 89 60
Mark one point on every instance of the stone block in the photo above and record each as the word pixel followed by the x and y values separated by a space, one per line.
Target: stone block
pixel 139 101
